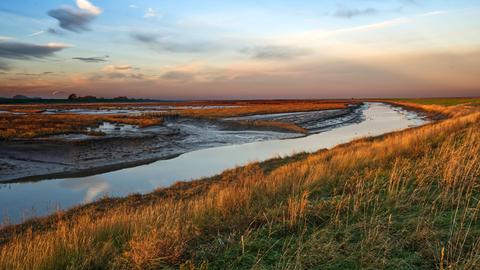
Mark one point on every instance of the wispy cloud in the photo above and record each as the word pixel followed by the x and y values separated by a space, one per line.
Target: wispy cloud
pixel 273 52
pixel 178 75
pixel 54 31
pixel 76 19
pixel 37 33
pixel 93 59
pixel 354 12
pixel 173 43
pixel 35 74
pixel 111 68
pixel 368 27
pixel 434 13
pixel 150 13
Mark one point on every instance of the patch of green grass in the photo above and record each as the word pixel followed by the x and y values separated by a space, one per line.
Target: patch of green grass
pixel 441 101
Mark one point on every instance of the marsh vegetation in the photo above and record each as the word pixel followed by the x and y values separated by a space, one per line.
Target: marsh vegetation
pixel 408 199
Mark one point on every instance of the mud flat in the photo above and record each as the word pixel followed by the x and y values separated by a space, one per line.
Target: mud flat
pixel 76 155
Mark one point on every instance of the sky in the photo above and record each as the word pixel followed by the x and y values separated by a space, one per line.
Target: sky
pixel 209 49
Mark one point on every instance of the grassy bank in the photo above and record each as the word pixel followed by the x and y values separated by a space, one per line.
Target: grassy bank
pixel 407 200
pixel 442 101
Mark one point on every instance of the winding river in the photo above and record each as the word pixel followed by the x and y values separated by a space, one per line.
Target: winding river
pixel 19 201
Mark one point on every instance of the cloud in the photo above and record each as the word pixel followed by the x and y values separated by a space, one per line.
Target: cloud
pixel 132 6
pixel 17 50
pixel 54 31
pixel 178 75
pixel 35 74
pixel 76 19
pixel 433 13
pixel 150 13
pixel 117 75
pixel 116 72
pixel 173 44
pixel 37 33
pixel 112 68
pixel 87 6
pixel 413 2
pixel 273 52
pixel 58 92
pixel 353 12
pixel 93 59
pixel 4 66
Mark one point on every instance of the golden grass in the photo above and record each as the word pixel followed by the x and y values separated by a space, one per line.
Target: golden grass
pixel 267 108
pixel 449 111
pixel 409 199
pixel 36 125
pixel 35 108
pixel 274 124
pixel 443 101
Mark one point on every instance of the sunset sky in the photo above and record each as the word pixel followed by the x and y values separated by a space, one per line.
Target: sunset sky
pixel 203 49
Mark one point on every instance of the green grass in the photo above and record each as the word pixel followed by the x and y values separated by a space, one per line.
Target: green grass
pixel 442 101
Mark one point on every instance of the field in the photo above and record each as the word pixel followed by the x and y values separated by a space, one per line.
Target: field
pixel 407 200
pixel 31 123
pixel 443 101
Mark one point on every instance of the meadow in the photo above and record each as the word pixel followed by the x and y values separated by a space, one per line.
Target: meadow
pixel 443 101
pixel 405 200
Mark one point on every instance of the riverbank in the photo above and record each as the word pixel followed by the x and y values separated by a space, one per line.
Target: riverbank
pixel 409 198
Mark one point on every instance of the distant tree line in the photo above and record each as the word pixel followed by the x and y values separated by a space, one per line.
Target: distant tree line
pixel 72 98
pixel 93 98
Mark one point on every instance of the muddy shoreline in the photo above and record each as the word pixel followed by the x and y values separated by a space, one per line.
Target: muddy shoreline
pixel 67 157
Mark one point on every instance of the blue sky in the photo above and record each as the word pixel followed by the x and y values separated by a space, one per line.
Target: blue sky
pixel 240 49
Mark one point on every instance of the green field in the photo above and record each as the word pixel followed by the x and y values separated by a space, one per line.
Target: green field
pixel 442 101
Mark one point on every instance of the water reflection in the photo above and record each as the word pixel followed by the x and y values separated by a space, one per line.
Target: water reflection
pixel 18 200
pixel 92 186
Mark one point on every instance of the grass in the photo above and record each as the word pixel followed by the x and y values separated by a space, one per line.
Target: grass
pixel 37 125
pixel 442 101
pixel 33 124
pixel 35 108
pixel 267 108
pixel 274 125
pixel 407 200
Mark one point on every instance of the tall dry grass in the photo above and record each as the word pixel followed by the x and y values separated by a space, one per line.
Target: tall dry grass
pixel 265 108
pixel 406 200
pixel 37 125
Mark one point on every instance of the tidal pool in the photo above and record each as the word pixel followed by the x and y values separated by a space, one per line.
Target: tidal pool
pixel 20 201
